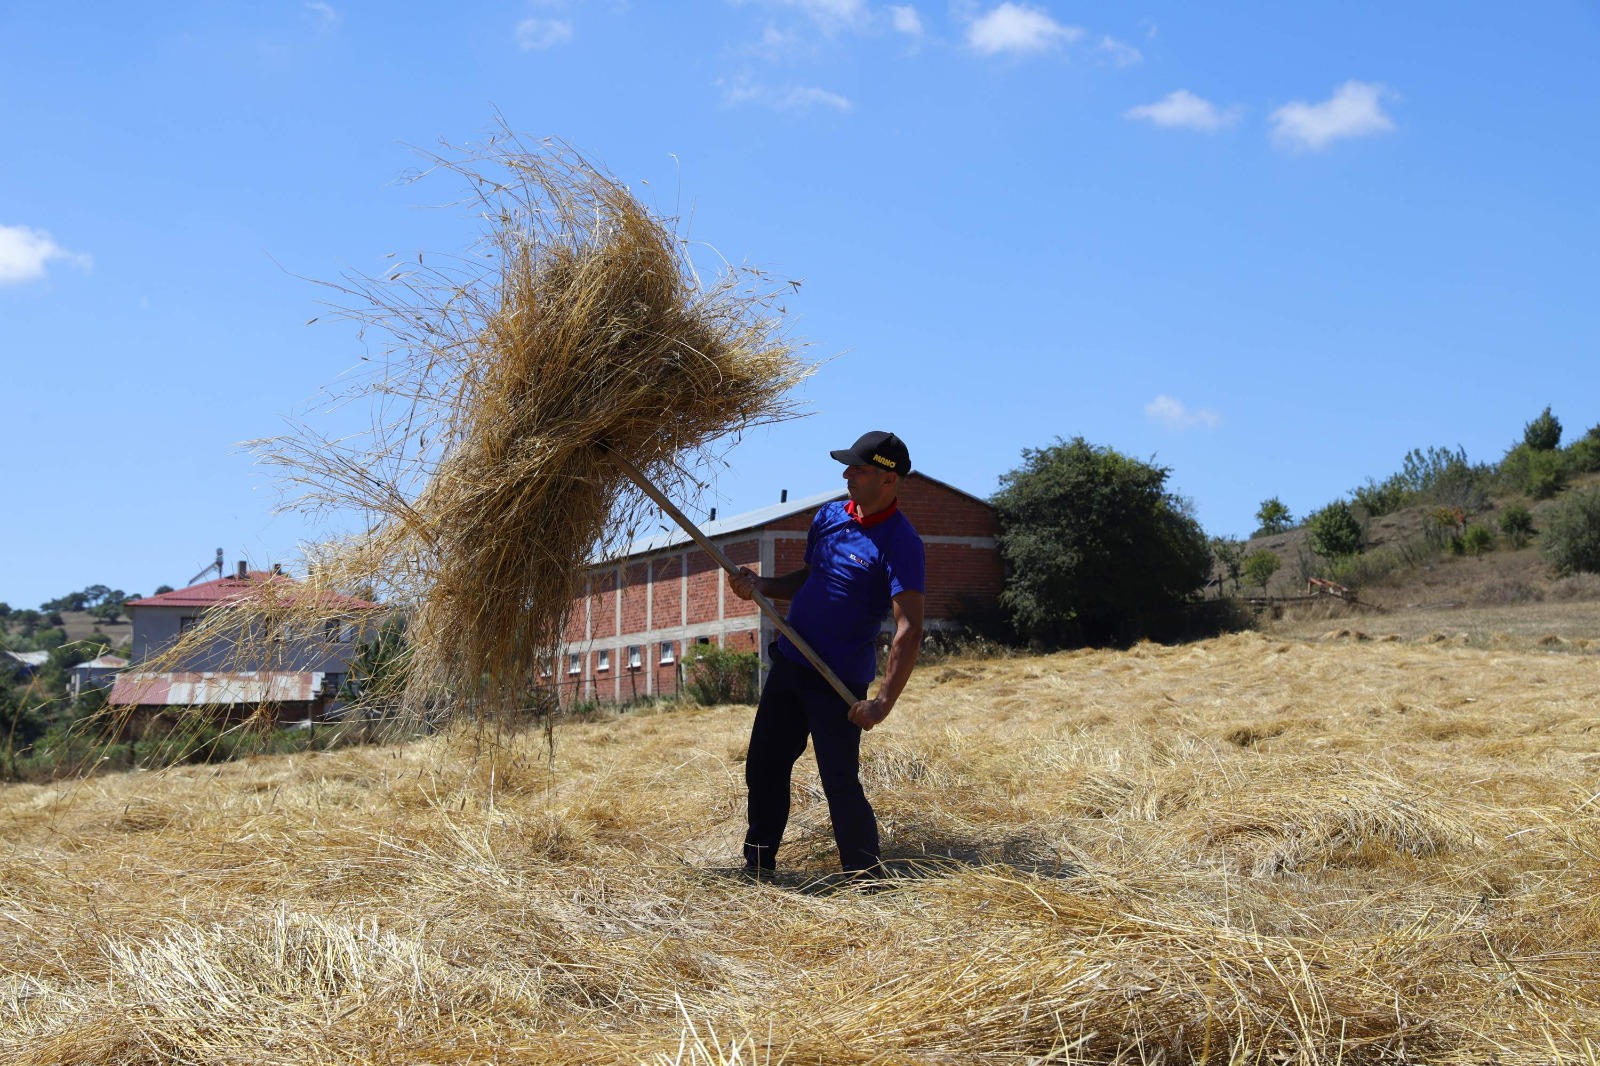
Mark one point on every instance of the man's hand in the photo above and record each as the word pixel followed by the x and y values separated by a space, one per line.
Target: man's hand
pixel 743 583
pixel 868 713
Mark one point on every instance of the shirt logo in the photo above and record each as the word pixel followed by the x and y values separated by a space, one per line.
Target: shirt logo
pixel 854 558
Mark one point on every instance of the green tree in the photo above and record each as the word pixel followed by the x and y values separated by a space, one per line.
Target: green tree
pixel 1095 544
pixel 1229 554
pixel 1334 532
pixel 1571 537
pixel 381 668
pixel 1539 474
pixel 1273 517
pixel 20 722
pixel 1259 566
pixel 109 611
pixel 160 589
pixel 1543 434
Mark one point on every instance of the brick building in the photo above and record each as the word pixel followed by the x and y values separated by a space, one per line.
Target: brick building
pixel 626 636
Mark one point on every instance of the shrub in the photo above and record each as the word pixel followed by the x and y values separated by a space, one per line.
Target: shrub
pixel 1583 457
pixel 1539 474
pixel 1543 434
pixel 1477 539
pixel 1381 498
pixel 1547 475
pixel 1371 568
pixel 1443 526
pixel 1516 522
pixel 1334 531
pixel 1571 538
pixel 1259 566
pixel 720 675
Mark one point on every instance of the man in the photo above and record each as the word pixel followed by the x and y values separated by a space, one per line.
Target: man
pixel 862 560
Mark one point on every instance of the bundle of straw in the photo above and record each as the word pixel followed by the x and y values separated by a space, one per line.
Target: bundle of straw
pixel 577 331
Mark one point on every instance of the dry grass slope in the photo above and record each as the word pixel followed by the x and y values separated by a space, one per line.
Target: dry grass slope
pixel 1245 850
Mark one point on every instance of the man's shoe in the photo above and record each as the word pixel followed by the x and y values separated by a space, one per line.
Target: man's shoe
pixel 758 875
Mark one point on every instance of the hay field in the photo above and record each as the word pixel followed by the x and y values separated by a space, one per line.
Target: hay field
pixel 1244 850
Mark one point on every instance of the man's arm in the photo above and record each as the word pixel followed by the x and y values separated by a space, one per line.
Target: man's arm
pixel 773 588
pixel 908 608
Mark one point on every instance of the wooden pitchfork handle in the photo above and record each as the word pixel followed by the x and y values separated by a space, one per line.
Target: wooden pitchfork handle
pixel 766 605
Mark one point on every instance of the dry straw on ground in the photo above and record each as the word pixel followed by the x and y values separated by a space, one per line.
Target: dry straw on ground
pixel 577 329
pixel 1245 850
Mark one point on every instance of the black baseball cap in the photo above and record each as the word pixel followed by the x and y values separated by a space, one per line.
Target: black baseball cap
pixel 878 449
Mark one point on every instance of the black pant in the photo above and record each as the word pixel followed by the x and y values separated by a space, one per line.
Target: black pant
pixel 797 702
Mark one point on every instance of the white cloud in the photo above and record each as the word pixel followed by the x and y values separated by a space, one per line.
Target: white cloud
pixel 1122 53
pixel 534 34
pixel 1019 29
pixel 326 18
pixel 1182 109
pixel 906 20
pixel 789 98
pixel 831 15
pixel 1173 414
pixel 803 98
pixel 1354 110
pixel 26 254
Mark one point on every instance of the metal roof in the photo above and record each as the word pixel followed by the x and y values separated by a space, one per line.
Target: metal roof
pixel 228 589
pixel 30 658
pixel 215 689
pixel 105 662
pixel 671 538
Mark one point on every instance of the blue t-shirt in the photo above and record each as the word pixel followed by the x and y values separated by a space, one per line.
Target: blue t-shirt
pixel 855 572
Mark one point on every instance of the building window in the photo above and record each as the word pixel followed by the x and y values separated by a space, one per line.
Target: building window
pixel 574 663
pixel 603 660
pixel 332 683
pixel 186 623
pixel 635 656
pixel 335 631
pixel 667 655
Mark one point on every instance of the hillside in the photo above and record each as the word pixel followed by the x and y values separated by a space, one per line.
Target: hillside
pixel 1412 589
pixel 1246 849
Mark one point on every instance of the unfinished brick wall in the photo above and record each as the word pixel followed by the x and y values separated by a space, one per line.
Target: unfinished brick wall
pixel 936 510
pixel 603 604
pixel 705 586
pixel 965 576
pixel 635 597
pixel 666 594
pixel 744 553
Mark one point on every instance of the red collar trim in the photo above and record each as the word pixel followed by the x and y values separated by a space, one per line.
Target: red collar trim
pixel 870 520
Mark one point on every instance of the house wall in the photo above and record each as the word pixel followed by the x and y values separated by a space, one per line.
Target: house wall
pixel 680 596
pixel 155 629
pixel 84 678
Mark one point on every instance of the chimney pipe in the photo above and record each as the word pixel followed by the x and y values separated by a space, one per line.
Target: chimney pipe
pixel 713 516
pixel 244 569
pixel 784 498
pixel 277 568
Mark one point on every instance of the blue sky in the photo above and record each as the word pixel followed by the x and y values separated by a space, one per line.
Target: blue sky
pixel 1272 246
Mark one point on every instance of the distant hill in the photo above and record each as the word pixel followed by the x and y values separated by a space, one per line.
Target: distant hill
pixel 82 624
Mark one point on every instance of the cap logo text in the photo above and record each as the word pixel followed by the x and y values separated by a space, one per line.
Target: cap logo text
pixel 881 461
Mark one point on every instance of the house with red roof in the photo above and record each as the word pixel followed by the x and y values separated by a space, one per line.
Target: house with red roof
pixel 298 675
